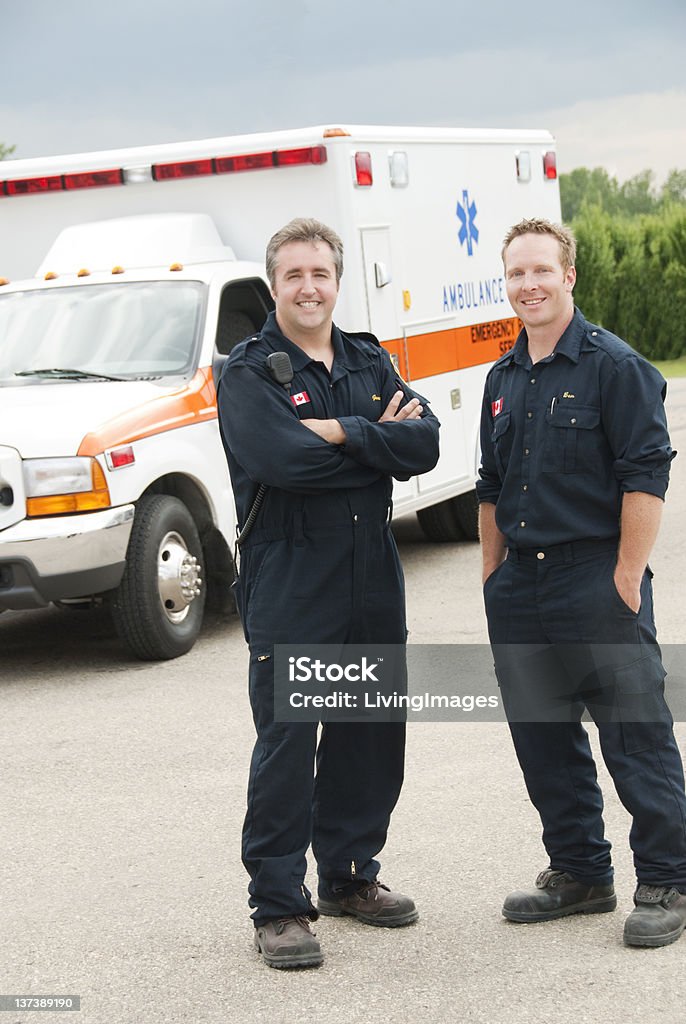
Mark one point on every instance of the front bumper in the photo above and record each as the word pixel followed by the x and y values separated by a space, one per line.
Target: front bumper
pixel 44 560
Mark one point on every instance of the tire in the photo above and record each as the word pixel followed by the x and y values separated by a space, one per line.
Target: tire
pixel 440 522
pixel 467 511
pixel 159 604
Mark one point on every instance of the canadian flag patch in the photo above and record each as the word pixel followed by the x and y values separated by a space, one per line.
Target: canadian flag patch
pixel 497 406
pixel 301 398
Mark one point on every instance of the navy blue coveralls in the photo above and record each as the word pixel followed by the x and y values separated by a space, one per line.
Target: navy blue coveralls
pixel 319 566
pixel 562 441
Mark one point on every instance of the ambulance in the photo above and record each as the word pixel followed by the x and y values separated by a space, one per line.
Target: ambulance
pixel 128 275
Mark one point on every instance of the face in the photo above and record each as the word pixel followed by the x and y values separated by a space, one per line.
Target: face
pixel 305 288
pixel 539 290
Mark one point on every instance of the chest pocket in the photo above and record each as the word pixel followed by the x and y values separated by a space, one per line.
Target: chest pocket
pixel 501 438
pixel 573 439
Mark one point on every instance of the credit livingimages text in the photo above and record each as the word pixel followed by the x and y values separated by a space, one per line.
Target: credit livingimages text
pixel 460 682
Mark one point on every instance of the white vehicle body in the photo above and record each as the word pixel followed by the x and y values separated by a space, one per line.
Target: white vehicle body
pixel 153 258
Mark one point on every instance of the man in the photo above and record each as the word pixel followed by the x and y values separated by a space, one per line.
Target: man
pixel 319 566
pixel 575 464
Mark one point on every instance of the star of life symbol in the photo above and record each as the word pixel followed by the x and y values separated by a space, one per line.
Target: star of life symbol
pixel 466 213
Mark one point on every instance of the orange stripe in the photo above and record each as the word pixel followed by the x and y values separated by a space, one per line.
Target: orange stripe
pixel 195 402
pixel 453 349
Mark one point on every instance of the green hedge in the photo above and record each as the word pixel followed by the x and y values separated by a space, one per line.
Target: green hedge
pixel 632 276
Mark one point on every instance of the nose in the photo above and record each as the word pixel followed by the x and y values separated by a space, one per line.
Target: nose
pixel 529 282
pixel 308 285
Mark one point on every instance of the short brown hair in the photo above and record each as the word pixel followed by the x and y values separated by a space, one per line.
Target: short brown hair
pixel 304 229
pixel 541 226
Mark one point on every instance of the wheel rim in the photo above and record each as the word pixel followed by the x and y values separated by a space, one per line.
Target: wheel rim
pixel 178 577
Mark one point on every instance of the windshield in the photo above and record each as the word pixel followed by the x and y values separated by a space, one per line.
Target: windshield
pixel 137 329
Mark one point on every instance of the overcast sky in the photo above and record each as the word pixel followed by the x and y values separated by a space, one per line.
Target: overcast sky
pixel 607 77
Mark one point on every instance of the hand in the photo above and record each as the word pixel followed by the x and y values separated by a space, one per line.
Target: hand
pixel 628 589
pixel 328 430
pixel 391 414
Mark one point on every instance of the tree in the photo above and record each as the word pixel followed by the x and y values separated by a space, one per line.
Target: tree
pixel 6 150
pixel 674 188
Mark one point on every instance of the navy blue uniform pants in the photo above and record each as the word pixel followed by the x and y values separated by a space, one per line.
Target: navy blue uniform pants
pixel 337 581
pixel 563 642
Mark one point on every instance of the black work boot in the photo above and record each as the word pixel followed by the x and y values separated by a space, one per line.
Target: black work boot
pixel 658 918
pixel 288 942
pixel 557 894
pixel 372 903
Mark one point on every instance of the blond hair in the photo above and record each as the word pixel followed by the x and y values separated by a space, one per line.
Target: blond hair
pixel 541 226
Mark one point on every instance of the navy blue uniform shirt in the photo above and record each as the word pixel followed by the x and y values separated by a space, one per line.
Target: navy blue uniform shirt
pixel 561 441
pixel 266 443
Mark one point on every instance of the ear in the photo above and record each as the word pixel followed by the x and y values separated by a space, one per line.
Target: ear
pixel 570 278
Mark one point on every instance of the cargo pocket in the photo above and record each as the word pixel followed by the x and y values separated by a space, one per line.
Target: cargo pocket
pixel 572 438
pixel 639 695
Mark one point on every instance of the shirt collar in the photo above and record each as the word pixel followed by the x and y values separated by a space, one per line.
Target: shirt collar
pixel 348 353
pixel 569 344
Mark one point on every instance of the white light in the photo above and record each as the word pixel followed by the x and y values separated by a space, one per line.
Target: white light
pixel 57 476
pixel 523 165
pixel 399 169
pixel 137 175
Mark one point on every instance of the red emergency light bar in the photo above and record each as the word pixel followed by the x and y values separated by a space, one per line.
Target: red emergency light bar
pixel 62 182
pixel 244 162
pixel 167 172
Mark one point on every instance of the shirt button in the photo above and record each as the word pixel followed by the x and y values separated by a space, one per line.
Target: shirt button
pixel 355 519
pixel 573 419
pixel 529 415
pixel 525 487
pixel 541 554
pixel 526 451
pixel 522 523
pixel 533 380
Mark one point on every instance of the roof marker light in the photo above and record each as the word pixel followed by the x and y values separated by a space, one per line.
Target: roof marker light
pixel 50 275
pixel 117 270
pixel 176 266
pixel 336 133
pixel 363 169
pixel 4 280
pixel 550 165
pixel 83 272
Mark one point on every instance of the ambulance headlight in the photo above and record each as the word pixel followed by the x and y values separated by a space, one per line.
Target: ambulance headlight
pixel 62 486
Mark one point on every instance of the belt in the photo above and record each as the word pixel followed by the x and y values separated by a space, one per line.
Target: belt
pixel 573 551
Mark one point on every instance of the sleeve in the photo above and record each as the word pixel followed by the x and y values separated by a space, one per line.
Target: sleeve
pixel 265 436
pixel 402 449
pixel 489 484
pixel 635 425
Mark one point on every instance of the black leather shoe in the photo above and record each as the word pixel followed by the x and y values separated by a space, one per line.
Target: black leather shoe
pixel 288 942
pixel 372 903
pixel 557 894
pixel 658 918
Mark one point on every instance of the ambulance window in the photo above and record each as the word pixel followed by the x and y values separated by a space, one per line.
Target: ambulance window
pixel 242 311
